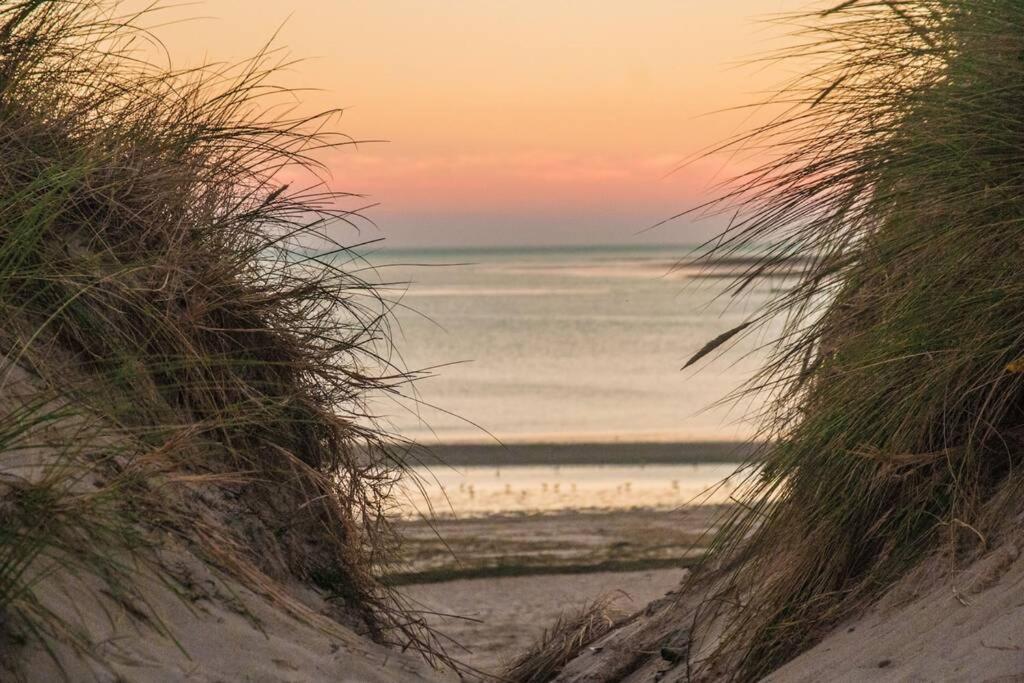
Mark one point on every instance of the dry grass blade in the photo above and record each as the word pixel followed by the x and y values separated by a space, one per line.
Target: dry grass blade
pixel 716 343
pixel 562 642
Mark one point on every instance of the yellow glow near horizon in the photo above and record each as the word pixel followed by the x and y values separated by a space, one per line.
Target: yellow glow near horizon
pixel 530 121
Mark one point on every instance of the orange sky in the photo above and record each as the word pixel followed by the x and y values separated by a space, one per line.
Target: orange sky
pixel 511 122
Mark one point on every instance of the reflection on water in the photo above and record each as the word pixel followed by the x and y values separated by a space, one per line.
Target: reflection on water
pixel 478 491
pixel 550 345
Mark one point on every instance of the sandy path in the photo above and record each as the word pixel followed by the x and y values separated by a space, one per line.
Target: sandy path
pixel 513 611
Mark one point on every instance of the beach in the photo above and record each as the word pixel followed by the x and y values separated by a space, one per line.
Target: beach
pixel 569 541
pixel 493 581
pixel 494 619
pixel 571 459
pixel 565 384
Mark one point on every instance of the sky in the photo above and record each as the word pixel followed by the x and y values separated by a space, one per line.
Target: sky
pixel 501 122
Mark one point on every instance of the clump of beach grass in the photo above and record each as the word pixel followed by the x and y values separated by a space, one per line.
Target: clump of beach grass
pixel 171 275
pixel 563 641
pixel 896 417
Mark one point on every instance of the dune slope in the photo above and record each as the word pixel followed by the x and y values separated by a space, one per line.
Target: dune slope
pixel 190 481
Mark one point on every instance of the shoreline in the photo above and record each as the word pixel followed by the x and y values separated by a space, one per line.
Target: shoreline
pixel 565 543
pixel 583 453
pixel 493 584
pixel 431 577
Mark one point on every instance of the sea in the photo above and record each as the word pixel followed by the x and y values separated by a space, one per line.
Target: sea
pixel 570 345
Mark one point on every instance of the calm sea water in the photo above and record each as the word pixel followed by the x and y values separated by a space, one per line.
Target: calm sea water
pixel 582 344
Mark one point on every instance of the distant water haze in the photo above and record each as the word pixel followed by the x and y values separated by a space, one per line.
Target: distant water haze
pixel 563 345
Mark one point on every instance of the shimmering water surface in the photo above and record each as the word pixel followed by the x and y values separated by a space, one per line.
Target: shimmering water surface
pixel 581 344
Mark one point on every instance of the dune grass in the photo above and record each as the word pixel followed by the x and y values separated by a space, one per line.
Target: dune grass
pixel 562 642
pixel 170 271
pixel 896 415
pixel 59 515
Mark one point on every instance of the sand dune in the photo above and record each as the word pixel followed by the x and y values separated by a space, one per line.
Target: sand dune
pixel 934 625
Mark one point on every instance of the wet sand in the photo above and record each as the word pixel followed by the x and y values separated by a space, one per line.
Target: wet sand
pixel 564 542
pixel 480 492
pixel 492 577
pixel 503 579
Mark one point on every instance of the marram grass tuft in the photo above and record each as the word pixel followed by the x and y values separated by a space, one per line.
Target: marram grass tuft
pixel 896 418
pixel 158 282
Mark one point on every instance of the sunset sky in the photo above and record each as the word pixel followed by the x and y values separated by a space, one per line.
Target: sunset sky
pixel 527 122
